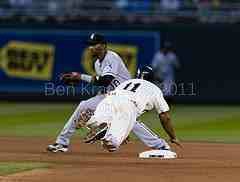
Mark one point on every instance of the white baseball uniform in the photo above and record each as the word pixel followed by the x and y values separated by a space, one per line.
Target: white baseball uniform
pixel 111 64
pixel 123 105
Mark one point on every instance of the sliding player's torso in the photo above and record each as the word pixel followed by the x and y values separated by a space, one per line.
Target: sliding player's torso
pixel 145 94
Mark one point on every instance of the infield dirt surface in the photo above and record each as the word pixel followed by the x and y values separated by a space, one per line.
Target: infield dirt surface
pixel 197 162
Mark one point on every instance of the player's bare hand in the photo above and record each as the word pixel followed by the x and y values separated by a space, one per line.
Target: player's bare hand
pixel 126 141
pixel 176 142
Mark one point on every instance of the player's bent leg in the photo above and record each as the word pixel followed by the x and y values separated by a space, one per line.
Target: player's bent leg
pixel 148 137
pixel 96 133
pixel 108 145
pixel 123 119
pixel 63 139
pixel 69 129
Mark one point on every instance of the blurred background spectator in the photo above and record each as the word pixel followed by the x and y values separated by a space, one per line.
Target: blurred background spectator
pixel 20 3
pixel 165 63
pixel 134 5
pixel 170 4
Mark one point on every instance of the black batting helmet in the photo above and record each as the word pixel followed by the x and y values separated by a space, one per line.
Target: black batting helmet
pixel 146 73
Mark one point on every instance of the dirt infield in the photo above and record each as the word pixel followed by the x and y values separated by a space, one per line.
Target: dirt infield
pixel 197 162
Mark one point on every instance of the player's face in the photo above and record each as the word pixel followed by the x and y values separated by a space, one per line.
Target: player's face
pixel 97 49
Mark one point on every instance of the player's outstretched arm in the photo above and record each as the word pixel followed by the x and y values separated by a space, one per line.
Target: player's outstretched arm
pixel 168 127
pixel 97 80
pixel 75 77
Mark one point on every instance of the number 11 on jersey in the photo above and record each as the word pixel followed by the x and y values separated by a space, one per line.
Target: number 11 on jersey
pixel 131 88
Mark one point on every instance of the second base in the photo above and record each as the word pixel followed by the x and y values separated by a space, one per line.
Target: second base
pixel 162 154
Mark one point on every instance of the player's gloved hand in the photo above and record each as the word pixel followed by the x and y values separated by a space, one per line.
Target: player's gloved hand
pixel 71 78
pixel 176 141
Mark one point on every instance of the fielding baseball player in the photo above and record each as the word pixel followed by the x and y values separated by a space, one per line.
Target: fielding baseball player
pixel 120 109
pixel 111 71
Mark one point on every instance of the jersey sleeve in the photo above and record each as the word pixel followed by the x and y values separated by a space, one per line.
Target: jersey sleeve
pixel 111 68
pixel 160 103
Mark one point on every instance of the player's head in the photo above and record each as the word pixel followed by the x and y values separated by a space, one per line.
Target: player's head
pixel 145 73
pixel 97 44
pixel 167 47
pixel 96 38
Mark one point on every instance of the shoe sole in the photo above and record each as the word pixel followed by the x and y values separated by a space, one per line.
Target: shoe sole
pixel 56 150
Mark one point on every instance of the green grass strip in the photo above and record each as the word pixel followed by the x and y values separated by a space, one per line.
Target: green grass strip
pixel 7 168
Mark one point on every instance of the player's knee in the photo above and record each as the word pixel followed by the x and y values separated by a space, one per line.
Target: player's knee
pixel 82 106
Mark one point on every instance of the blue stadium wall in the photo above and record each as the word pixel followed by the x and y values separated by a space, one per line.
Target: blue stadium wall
pixel 208 54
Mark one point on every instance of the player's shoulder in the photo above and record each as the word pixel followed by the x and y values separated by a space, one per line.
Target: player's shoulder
pixel 172 55
pixel 112 55
pixel 158 53
pixel 160 56
pixel 143 82
pixel 137 80
pixel 148 85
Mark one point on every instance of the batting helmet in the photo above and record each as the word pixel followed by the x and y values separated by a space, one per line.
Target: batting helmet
pixel 146 73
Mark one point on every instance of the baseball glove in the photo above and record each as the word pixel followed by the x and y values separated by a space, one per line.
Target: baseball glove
pixel 71 78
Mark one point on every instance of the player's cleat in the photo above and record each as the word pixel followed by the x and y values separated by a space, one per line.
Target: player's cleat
pixel 100 133
pixel 164 148
pixel 57 148
pixel 107 145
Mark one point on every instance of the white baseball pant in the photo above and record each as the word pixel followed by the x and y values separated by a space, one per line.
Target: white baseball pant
pixel 120 115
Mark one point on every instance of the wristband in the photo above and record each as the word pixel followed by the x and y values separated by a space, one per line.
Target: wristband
pixel 87 78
